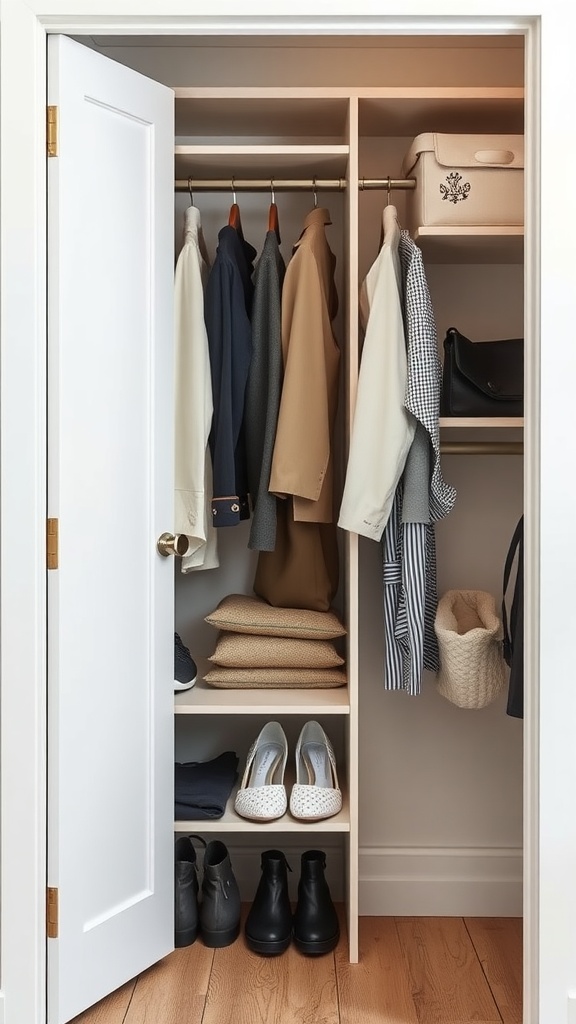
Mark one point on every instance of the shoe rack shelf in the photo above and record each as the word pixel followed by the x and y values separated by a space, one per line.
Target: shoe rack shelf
pixel 232 822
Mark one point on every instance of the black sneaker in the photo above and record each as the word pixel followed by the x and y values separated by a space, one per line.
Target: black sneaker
pixel 185 671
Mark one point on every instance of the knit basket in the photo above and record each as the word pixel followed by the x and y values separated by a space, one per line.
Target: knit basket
pixel 472 669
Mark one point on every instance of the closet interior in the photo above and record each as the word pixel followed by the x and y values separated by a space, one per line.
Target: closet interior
pixel 432 815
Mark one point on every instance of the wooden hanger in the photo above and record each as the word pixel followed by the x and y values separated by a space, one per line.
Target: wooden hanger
pixel 273 222
pixel 234 218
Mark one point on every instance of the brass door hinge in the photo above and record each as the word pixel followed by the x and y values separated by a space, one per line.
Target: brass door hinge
pixel 52 131
pixel 52 913
pixel 51 543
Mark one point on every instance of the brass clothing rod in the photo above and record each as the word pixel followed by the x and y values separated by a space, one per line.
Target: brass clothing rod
pixel 481 447
pixel 389 184
pixel 287 184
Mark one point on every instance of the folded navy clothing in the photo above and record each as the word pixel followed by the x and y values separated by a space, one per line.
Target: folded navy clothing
pixel 202 788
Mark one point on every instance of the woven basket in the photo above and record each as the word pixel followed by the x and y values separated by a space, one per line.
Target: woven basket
pixel 472 669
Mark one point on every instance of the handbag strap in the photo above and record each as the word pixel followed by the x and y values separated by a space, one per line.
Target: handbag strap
pixel 515 545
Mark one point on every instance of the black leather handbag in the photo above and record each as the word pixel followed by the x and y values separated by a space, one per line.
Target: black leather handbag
pixel 482 378
pixel 513 625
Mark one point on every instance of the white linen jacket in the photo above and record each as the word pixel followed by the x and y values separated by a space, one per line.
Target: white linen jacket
pixel 193 393
pixel 383 429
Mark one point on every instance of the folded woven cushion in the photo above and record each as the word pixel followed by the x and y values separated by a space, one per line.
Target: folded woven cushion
pixel 242 650
pixel 291 678
pixel 239 613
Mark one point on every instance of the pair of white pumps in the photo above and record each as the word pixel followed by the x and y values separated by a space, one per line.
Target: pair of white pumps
pixel 315 795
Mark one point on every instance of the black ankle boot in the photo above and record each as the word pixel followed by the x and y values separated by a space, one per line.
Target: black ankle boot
pixel 268 927
pixel 185 892
pixel 220 906
pixel 316 927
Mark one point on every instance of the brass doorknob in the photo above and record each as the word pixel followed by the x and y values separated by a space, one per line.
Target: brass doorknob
pixel 172 544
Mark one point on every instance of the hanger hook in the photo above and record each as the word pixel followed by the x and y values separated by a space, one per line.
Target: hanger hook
pixel 389 187
pixel 190 192
pixel 315 192
pixel 272 196
pixel 233 190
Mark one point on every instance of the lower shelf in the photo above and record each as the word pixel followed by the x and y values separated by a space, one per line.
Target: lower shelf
pixel 232 822
pixel 203 699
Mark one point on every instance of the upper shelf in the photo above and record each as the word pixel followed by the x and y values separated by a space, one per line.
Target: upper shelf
pixel 323 114
pixel 408 112
pixel 471 244
pixel 261 161
pixel 256 112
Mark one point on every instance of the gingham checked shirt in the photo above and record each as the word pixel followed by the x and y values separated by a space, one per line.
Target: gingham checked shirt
pixel 409 548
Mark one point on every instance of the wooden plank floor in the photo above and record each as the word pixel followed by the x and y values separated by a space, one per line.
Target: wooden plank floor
pixel 412 970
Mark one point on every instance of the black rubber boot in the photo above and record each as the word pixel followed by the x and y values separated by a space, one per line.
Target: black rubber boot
pixel 185 892
pixel 268 927
pixel 316 927
pixel 220 905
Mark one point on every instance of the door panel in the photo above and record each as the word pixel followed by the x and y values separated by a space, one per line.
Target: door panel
pixel 110 470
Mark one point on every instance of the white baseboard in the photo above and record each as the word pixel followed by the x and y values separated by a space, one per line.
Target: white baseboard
pixel 401 881
pixel 452 882
pixel 1 1008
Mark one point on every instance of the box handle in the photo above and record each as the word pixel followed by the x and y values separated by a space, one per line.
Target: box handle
pixel 494 156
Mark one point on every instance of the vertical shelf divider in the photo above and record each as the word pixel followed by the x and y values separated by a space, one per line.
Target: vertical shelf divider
pixel 351 541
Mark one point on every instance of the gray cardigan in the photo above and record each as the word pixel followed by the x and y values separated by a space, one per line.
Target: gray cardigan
pixel 263 391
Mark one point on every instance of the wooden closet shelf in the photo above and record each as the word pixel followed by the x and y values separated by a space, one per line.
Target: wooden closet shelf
pixel 232 822
pixel 409 115
pixel 260 114
pixel 481 422
pixel 203 699
pixel 261 161
pixel 471 244
pixel 401 111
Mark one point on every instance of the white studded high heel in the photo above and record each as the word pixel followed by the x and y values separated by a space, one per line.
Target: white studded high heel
pixel 316 794
pixel 262 793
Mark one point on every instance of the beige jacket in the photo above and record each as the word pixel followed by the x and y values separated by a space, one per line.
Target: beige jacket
pixel 302 464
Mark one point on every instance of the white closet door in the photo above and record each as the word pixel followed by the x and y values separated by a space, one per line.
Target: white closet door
pixel 110 469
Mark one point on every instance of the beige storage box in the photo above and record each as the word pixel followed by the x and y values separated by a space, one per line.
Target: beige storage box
pixel 465 180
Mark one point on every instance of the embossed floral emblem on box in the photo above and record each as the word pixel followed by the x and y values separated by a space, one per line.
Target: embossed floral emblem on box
pixel 455 192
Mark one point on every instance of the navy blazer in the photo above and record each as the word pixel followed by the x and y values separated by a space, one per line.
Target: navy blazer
pixel 227 309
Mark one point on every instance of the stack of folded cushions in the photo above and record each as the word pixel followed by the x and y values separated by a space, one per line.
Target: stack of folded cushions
pixel 260 645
